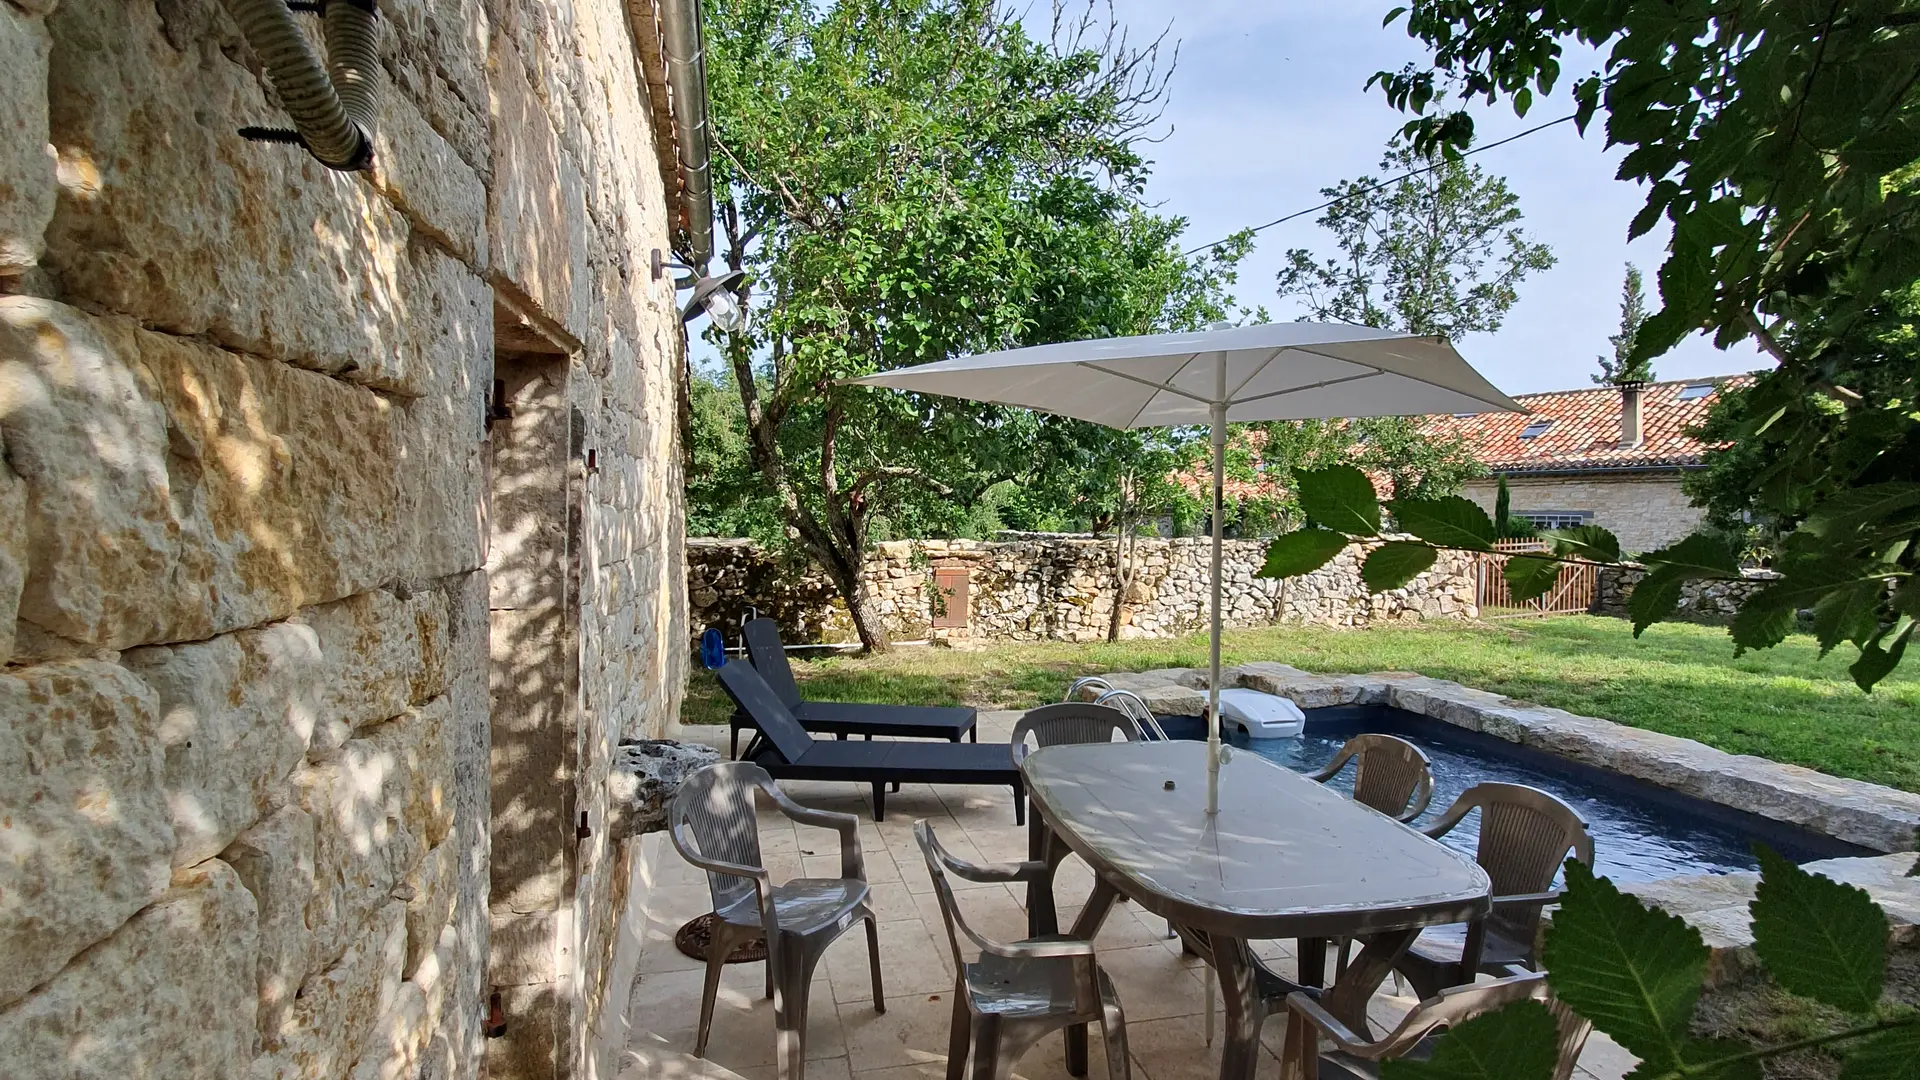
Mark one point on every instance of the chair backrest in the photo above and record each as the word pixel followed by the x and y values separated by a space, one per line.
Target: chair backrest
pixel 749 691
pixel 714 809
pixel 1525 837
pixel 769 657
pixel 1071 722
pixel 939 862
pixel 1393 776
pixel 1456 1005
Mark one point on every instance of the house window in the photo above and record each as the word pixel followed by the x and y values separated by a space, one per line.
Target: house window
pixel 1536 429
pixel 1695 391
pixel 1556 519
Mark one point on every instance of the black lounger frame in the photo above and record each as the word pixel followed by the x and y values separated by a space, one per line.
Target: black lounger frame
pixel 787 752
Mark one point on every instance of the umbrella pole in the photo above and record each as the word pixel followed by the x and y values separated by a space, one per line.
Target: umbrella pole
pixel 1219 425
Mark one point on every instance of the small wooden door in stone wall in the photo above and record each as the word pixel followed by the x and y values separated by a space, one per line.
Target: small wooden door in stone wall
pixel 950 600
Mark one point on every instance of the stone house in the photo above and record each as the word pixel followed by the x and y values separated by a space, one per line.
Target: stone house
pixel 340 536
pixel 1606 455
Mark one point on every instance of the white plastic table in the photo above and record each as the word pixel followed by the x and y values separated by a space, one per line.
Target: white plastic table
pixel 1284 858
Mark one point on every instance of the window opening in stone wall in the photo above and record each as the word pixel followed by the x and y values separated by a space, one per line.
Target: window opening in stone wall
pixel 1556 519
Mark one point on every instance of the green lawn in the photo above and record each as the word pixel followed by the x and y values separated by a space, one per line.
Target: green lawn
pixel 1783 703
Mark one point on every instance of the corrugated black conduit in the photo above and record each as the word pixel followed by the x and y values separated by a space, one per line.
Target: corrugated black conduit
pixel 332 107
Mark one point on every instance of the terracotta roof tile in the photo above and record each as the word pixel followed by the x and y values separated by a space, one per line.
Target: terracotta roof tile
pixel 1583 429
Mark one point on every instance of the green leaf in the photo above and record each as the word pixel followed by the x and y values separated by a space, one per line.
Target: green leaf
pixel 1851 508
pixel 1890 1055
pixel 1817 937
pixel 1519 1042
pixel 1847 614
pixel 1715 1059
pixel 1877 663
pixel 1763 622
pixel 1655 597
pixel 1395 563
pixel 1530 576
pixel 1301 552
pixel 1339 497
pixel 1586 542
pixel 1449 521
pixel 1697 555
pixel 1632 970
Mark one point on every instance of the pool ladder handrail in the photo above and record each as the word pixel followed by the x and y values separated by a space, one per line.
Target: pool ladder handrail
pixel 1125 700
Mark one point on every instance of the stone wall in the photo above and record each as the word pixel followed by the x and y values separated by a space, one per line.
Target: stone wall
pixel 1646 511
pixel 1700 601
pixel 1060 589
pixel 248 761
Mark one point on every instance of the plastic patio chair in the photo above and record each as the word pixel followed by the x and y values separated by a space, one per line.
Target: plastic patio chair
pixel 1353 1058
pixel 713 826
pixel 1525 836
pixel 1391 775
pixel 1071 722
pixel 1014 994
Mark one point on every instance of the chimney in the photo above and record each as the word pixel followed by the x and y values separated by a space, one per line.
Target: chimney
pixel 1632 434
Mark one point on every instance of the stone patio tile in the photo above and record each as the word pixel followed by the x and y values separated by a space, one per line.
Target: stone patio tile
pixel 1157 986
pixel 1174 1049
pixel 742 1036
pixel 834 1068
pixel 912 963
pixel 913 1031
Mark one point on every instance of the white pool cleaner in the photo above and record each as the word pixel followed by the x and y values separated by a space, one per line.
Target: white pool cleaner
pixel 1261 716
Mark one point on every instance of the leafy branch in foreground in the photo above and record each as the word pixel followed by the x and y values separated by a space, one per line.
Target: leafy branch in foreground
pixel 1637 973
pixel 1851 562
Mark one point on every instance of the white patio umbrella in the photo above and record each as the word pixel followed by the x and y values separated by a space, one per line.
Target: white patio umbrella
pixel 1275 371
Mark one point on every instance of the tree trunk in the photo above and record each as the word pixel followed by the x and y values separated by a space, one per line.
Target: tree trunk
pixel 860 603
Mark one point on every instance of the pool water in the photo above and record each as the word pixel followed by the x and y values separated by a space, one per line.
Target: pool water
pixel 1637 835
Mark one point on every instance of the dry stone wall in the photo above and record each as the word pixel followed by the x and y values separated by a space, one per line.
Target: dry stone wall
pixel 247 758
pixel 1700 601
pixel 1061 589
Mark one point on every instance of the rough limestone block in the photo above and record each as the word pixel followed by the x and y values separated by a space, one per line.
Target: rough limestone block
pixel 26 166
pixel 536 220
pixel 379 805
pixel 333 1019
pixel 85 834
pixel 274 860
pixel 167 215
pixel 430 892
pixel 235 714
pixel 439 460
pixel 398 1039
pixel 14 545
pixel 440 194
pixel 382 654
pixel 645 777
pixel 170 994
pixel 226 491
pixel 471 741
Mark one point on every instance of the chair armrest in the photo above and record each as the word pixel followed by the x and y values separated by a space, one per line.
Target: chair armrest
pixel 1002 873
pixel 1551 896
pixel 852 859
pixel 1039 950
pixel 1304 1006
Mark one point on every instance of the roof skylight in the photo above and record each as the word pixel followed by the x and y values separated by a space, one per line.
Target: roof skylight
pixel 1695 391
pixel 1536 429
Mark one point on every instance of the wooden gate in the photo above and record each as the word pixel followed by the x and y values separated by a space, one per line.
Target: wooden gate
pixel 1572 592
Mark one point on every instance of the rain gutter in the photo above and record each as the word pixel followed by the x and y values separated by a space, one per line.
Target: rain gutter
pixel 686 70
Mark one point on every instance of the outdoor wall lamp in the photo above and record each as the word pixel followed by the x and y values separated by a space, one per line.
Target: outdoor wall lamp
pixel 712 293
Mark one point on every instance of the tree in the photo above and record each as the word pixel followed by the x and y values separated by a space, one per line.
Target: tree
pixel 1439 253
pixel 1624 367
pixel 1782 144
pixel 906 181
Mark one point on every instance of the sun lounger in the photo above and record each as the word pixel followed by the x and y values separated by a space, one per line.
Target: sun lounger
pixel 843 718
pixel 787 752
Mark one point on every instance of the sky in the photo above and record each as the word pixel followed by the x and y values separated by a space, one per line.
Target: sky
pixel 1268 105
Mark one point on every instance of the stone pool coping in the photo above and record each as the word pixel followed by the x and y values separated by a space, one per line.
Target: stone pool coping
pixel 1869 815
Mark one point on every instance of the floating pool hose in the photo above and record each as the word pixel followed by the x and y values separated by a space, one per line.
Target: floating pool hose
pixel 332 106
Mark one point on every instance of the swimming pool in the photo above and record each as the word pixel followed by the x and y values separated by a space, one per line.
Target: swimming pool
pixel 1640 831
